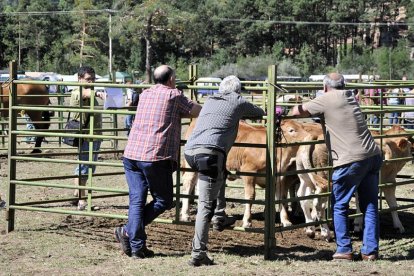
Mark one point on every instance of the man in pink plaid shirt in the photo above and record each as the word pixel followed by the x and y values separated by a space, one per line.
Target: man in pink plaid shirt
pixel 151 156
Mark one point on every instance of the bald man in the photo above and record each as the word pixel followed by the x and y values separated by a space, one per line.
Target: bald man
pixel 356 162
pixel 151 157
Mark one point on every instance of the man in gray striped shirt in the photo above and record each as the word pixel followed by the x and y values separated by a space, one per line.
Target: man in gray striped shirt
pixel 206 151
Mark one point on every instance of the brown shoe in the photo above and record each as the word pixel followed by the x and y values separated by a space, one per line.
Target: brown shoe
pixel 347 257
pixel 368 258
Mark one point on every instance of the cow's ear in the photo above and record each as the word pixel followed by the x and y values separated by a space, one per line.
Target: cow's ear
pixel 402 143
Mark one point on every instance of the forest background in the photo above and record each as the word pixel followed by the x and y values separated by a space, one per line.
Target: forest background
pixel 243 37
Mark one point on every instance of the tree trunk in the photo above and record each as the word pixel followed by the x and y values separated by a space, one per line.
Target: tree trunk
pixel 37 52
pixel 82 44
pixel 148 45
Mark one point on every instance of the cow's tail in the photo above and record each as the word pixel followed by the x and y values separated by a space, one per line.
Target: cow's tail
pixel 321 184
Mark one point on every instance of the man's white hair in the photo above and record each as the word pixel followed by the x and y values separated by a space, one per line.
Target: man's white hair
pixel 230 84
pixel 337 83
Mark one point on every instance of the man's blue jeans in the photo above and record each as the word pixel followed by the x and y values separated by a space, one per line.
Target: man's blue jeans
pixel 394 118
pixel 361 177
pixel 129 119
pixel 155 177
pixel 84 156
pixel 408 124
pixel 374 120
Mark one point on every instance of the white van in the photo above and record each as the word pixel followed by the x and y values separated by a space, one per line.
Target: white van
pixel 5 77
pixel 207 82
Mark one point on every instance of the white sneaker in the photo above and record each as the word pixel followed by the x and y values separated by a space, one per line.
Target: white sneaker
pixel 82 205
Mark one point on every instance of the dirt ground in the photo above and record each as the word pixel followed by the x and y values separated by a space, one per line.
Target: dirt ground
pixel 60 244
pixel 47 243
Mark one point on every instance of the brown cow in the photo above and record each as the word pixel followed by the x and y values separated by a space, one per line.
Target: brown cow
pixel 246 159
pixel 41 119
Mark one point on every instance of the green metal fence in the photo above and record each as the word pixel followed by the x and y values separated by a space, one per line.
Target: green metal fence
pixel 95 191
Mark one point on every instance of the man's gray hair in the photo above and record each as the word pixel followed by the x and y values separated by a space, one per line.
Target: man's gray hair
pixel 230 84
pixel 334 80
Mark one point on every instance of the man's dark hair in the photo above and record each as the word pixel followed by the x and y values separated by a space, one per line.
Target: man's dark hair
pixel 85 70
pixel 164 75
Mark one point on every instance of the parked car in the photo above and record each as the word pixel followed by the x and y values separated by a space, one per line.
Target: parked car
pixel 53 88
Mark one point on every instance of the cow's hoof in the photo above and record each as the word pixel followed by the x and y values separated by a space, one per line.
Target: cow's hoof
pixel 247 225
pixel 34 151
pixel 310 233
pixel 326 237
pixel 185 218
pixel 286 223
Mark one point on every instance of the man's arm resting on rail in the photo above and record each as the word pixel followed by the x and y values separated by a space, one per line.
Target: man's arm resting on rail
pixel 300 111
pixel 87 93
pixel 194 112
pixel 257 117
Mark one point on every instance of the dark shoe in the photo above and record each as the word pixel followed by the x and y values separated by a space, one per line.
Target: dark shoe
pixel 74 202
pixel 142 253
pixel 347 257
pixel 220 225
pixel 199 262
pixel 122 238
pixel 368 258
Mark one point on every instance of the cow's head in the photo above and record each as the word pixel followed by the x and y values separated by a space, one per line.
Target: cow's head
pixel 293 131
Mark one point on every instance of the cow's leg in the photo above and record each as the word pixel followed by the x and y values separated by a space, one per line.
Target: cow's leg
pixel 281 193
pixel 320 207
pixel 325 232
pixel 189 182
pixel 304 190
pixel 292 184
pixel 389 193
pixel 249 194
pixel 38 116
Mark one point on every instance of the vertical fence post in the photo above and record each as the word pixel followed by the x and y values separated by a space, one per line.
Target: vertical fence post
pixel 61 102
pixel 178 187
pixel 192 76
pixel 381 129
pixel 2 120
pixel 265 94
pixel 11 190
pixel 115 119
pixel 270 240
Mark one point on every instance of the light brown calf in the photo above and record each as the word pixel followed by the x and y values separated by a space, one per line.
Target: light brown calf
pixel 308 157
pixel 392 148
pixel 246 159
